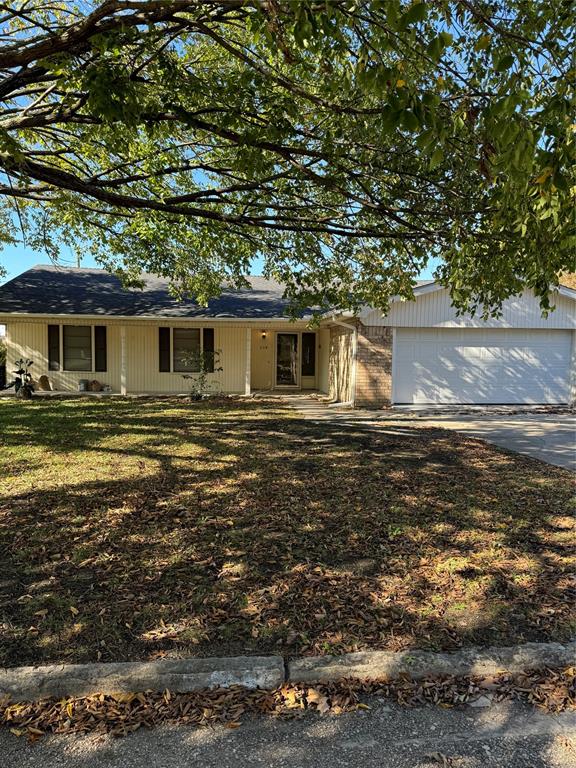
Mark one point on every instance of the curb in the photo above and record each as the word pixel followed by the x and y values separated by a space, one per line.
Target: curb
pixel 184 675
pixel 179 675
pixel 418 664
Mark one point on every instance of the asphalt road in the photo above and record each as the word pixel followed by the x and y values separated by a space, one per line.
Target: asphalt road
pixel 385 736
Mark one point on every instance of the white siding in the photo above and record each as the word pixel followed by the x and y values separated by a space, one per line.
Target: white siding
pixel 142 364
pixel 434 310
pixel 29 338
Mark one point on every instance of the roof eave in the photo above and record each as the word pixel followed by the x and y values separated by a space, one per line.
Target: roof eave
pixel 570 293
pixel 159 318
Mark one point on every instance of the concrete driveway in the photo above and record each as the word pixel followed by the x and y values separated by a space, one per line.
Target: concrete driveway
pixel 548 437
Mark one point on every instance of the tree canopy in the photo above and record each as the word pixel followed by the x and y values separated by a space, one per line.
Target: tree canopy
pixel 344 142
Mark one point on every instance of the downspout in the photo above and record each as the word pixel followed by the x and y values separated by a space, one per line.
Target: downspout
pixel 354 330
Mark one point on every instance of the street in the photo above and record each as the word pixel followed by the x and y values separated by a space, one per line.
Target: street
pixel 505 735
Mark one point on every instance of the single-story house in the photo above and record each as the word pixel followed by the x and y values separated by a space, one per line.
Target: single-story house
pixel 82 324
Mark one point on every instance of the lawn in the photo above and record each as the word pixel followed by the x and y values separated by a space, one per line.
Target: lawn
pixel 136 529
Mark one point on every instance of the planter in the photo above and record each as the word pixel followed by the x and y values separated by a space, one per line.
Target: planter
pixel 24 393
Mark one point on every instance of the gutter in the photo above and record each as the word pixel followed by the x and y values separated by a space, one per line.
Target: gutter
pixel 6 317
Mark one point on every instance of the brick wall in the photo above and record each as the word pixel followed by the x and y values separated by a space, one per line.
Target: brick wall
pixel 374 367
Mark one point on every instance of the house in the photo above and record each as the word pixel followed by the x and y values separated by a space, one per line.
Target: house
pixel 82 324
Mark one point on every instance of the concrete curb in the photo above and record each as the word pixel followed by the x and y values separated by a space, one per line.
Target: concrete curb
pixel 182 675
pixel 418 664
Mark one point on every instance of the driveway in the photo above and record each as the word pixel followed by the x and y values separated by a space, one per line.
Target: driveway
pixel 550 437
pixel 506 735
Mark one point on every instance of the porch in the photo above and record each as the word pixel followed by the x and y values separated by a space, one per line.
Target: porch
pixel 288 360
pixel 147 356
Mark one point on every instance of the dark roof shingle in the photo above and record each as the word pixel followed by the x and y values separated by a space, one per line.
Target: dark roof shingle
pixel 50 290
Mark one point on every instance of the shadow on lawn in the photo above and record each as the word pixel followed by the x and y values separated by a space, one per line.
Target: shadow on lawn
pixel 236 529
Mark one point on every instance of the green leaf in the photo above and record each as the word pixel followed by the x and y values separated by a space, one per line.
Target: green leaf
pixel 409 120
pixel 390 117
pixel 505 63
pixel 483 42
pixel 414 14
pixel 434 48
pixel 426 138
pixel 560 181
pixel 436 159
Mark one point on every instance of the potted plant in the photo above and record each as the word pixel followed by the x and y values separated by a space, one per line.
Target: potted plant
pixel 23 381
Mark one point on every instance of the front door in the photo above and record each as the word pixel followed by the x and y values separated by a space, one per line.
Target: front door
pixel 286 359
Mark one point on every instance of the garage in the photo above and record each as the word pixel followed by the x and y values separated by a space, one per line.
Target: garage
pixel 481 365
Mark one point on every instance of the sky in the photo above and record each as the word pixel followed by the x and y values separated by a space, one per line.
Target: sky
pixel 17 259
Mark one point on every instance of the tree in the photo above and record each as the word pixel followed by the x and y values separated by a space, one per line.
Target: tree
pixel 569 280
pixel 344 142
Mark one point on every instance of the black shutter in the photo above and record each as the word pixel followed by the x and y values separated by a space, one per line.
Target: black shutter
pixel 100 348
pixel 164 350
pixel 53 347
pixel 308 354
pixel 208 342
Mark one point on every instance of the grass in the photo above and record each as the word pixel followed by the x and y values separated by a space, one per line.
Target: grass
pixel 134 529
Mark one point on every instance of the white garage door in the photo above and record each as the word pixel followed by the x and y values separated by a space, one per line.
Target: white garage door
pixel 481 366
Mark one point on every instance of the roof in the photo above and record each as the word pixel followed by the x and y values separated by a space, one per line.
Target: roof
pixel 430 286
pixel 52 290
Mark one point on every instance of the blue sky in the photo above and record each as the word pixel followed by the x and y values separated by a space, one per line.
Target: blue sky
pixel 18 258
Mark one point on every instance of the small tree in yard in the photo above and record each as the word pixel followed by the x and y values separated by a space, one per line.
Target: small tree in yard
pixel 206 363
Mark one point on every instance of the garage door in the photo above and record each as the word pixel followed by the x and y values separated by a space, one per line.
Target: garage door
pixel 481 366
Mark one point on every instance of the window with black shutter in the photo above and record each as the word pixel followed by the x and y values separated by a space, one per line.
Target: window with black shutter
pixel 100 363
pixel 53 347
pixel 208 347
pixel 164 349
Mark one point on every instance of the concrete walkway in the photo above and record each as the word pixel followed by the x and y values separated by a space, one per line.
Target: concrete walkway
pixel 550 437
pixel 506 735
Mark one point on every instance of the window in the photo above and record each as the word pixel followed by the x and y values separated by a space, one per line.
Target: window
pixel 186 350
pixel 308 354
pixel 180 349
pixel 81 347
pixel 77 347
